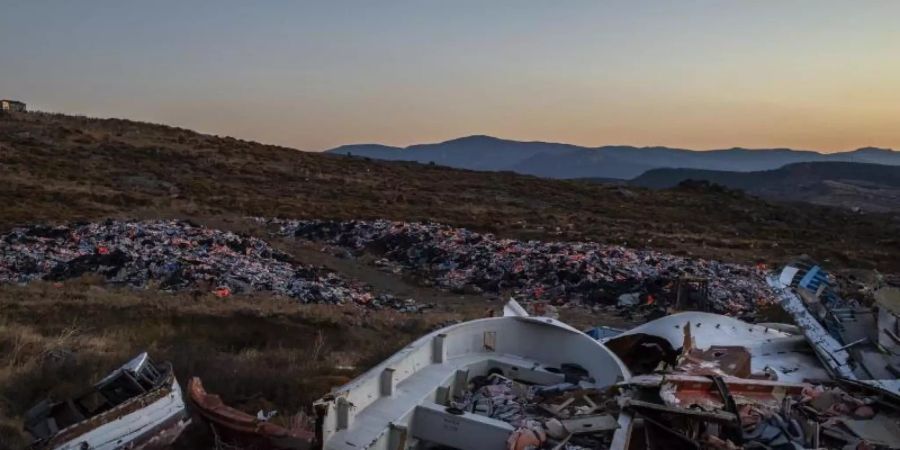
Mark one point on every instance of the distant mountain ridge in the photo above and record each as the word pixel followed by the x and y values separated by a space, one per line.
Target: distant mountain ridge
pixel 870 187
pixel 555 160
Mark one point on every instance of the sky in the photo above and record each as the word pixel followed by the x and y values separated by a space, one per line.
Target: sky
pixel 816 74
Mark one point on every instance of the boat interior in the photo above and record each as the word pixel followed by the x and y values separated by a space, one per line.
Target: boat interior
pixel 134 379
pixel 411 400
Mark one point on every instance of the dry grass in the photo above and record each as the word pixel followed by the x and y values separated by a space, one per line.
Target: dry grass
pixel 258 352
pixel 269 352
pixel 59 168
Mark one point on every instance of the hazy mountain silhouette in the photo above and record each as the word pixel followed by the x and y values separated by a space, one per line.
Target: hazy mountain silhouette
pixel 871 187
pixel 621 162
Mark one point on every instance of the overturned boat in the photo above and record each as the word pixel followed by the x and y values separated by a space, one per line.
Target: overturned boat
pixel 511 382
pixel 137 406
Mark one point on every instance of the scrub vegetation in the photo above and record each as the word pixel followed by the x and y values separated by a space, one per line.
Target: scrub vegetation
pixel 268 352
pixel 259 352
pixel 58 168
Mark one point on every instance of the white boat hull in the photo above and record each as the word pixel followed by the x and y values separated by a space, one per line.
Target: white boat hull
pixel 402 401
pixel 156 425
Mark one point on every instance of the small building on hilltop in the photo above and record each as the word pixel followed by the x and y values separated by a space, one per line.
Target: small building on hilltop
pixel 11 106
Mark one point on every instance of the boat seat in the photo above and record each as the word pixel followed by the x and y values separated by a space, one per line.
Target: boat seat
pixel 368 428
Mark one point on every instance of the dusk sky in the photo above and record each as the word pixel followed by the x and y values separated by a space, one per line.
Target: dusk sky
pixel 816 74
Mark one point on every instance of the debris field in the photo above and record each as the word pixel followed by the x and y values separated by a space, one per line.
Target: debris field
pixel 174 255
pixel 711 392
pixel 556 272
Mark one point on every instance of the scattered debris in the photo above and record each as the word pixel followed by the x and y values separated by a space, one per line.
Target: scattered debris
pixel 518 382
pixel 176 255
pixel 629 299
pixel 544 416
pixel 137 406
pixel 854 342
pixel 558 272
pixel 716 381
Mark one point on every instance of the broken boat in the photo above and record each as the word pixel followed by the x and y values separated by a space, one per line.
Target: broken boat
pixel 703 380
pixel 854 342
pixel 691 380
pixel 243 430
pixel 511 382
pixel 137 406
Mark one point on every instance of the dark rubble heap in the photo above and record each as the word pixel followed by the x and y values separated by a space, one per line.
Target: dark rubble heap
pixel 586 272
pixel 175 254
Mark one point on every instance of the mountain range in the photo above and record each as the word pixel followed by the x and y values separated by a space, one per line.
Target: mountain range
pixel 869 187
pixel 554 160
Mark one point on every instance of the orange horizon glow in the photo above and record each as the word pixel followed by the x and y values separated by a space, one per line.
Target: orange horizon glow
pixel 316 75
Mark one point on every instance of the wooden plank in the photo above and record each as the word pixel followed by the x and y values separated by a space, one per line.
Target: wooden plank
pixel 720 416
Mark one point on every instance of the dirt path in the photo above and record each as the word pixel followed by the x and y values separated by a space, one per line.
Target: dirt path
pixel 382 281
pixel 361 269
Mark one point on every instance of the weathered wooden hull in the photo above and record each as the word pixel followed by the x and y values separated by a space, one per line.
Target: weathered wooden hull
pixel 242 429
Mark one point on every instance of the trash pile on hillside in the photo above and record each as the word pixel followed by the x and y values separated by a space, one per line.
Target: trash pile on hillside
pixel 559 272
pixel 177 255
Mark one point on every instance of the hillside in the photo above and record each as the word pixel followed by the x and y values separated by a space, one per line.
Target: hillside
pixel 623 162
pixel 870 187
pixel 61 168
pixel 278 353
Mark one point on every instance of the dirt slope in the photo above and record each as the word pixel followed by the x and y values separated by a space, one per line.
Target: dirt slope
pixel 273 353
pixel 58 168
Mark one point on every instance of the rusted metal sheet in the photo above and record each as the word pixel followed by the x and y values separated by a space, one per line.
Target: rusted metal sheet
pixel 244 429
